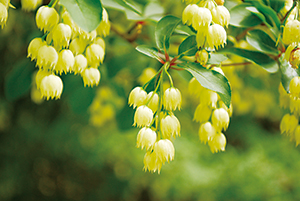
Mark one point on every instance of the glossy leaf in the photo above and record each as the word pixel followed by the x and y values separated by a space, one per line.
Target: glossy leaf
pixel 210 79
pixel 86 13
pixel 287 72
pixel 188 47
pixel 164 29
pixel 215 58
pixel 259 58
pixel 276 5
pixel 241 17
pixel 149 51
pixel 18 81
pixel 262 42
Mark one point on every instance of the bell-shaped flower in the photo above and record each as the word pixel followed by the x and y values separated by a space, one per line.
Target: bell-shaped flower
pixel 146 138
pixel 137 97
pixel 94 54
pixel 172 99
pixel 47 57
pixel 164 150
pixel 170 126
pixel 218 143
pixel 46 18
pixel 51 87
pixel 91 77
pixel 34 46
pixel 80 64
pixel 65 62
pixel 206 132
pixel 220 119
pixel 216 36
pixel 143 116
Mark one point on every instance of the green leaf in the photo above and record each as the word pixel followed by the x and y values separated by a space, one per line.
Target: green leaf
pixel 259 58
pixel 277 5
pixel 215 58
pixel 262 42
pixel 188 47
pixel 164 29
pixel 149 51
pixel 210 79
pixel 128 6
pixel 287 72
pixel 240 16
pixel 86 13
pixel 18 81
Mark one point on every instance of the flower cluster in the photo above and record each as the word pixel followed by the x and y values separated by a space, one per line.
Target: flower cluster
pixel 289 124
pixel 208 18
pixel 66 48
pixel 213 116
pixel 154 114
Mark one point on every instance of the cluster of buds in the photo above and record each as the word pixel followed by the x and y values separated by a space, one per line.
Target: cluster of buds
pixel 213 116
pixel 4 4
pixel 289 124
pixel 208 18
pixel 155 115
pixel 66 48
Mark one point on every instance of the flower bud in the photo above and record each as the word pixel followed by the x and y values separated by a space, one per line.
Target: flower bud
pixel 220 2
pixel 220 118
pixel 34 46
pixel 188 13
pixel 61 35
pixel 80 64
pixel 217 143
pixel 153 101
pixel 137 97
pixel 206 132
pixel 47 57
pixel 30 5
pixel 65 62
pixel 46 18
pixel 202 18
pixel 3 15
pixel 288 124
pixel 289 50
pixel 94 54
pixel 151 162
pixel 220 15
pixel 201 37
pixel 51 86
pixel 77 46
pixel 202 113
pixel 216 36
pixel 90 76
pixel 202 56
pixel 104 27
pixel 291 32
pixel 164 150
pixel 172 99
pixel 143 116
pixel 170 126
pixel 146 138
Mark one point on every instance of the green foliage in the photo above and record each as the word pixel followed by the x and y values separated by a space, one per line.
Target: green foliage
pixel 240 16
pixel 287 72
pixel 188 47
pixel 85 13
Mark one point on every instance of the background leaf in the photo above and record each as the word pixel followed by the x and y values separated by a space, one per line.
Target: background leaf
pixel 18 81
pixel 189 46
pixel 86 13
pixel 241 17
pixel 210 79
pixel 215 58
pixel 149 51
pixel 164 30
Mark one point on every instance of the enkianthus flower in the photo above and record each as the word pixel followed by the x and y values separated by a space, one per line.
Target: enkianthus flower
pixel 137 97
pixel 195 87
pixel 202 113
pixel 34 46
pixel 206 132
pixel 220 15
pixel 172 99
pixel 151 162
pixel 164 150
pixel 297 135
pixel 216 36
pixel 288 124
pixel 47 57
pixel 51 87
pixel 295 86
pixel 146 138
pixel 3 15
pixel 217 143
pixel 153 101
pixel 80 63
pixel 220 118
pixel 66 18
pixel 143 116
pixel 91 77
pixel 104 27
pixel 295 58
pixel 170 126
pixel 291 32
pixel 77 46
pixel 201 37
pixel 284 98
pixel 30 5
pixel 87 36
pixel 94 54
pixel 295 105
pixel 188 13
pixel 209 4
pixel 100 42
pixel 61 35
pixel 201 18
pixel 46 18
pixel 39 76
pixel 5 3
pixel 209 97
pixel 202 56
pixel 65 62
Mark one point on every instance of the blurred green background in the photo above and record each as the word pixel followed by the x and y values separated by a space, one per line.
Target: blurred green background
pixel 82 147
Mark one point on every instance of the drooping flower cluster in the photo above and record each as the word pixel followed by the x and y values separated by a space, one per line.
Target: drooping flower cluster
pixel 208 18
pixel 213 116
pixel 154 114
pixel 289 124
pixel 66 48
